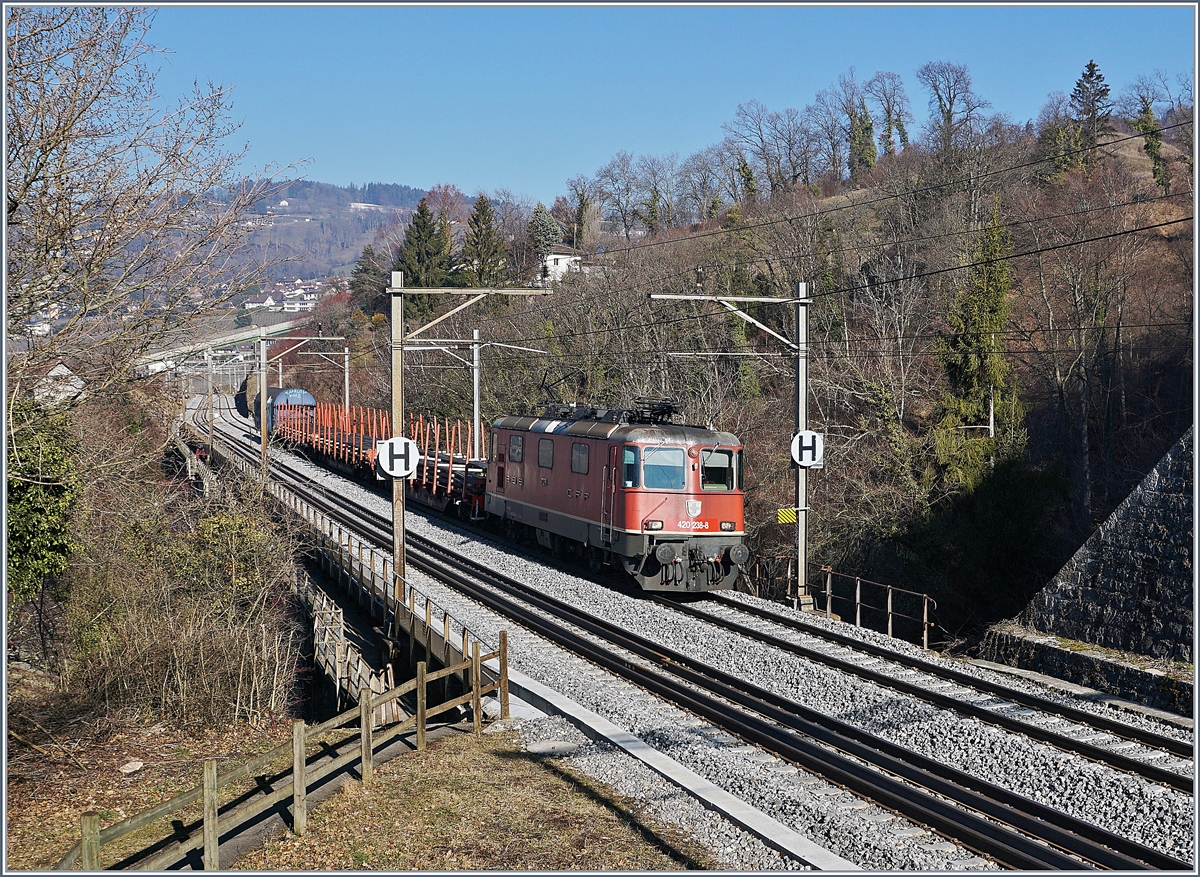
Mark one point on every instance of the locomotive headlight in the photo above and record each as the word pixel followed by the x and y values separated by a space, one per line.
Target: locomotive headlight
pixel 727 526
pixel 653 525
pixel 739 554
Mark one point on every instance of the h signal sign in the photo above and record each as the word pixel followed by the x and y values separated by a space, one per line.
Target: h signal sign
pixel 808 449
pixel 397 457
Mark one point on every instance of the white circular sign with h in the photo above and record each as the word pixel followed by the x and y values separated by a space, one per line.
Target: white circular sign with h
pixel 808 449
pixel 397 457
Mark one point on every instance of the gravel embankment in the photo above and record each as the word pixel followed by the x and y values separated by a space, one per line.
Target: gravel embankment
pixel 851 828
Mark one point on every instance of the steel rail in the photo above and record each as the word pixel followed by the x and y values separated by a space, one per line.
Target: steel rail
pixel 1081 838
pixel 1177 747
pixel 1015 850
pixel 1116 760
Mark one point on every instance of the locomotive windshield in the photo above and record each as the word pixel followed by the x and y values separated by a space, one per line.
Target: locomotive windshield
pixel 629 467
pixel 664 468
pixel 716 469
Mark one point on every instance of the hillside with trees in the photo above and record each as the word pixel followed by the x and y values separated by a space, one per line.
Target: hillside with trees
pixel 1000 328
pixel 1001 342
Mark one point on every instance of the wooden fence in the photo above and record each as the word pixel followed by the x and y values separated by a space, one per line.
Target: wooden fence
pixel 338 658
pixel 374 708
pixel 301 775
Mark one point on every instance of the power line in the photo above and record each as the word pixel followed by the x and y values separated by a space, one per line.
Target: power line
pixel 703 314
pixel 868 202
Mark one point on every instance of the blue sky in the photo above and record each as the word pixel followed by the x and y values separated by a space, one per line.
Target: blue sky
pixel 525 97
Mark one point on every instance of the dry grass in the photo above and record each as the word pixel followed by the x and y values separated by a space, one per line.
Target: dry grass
pixel 478 803
pixel 52 785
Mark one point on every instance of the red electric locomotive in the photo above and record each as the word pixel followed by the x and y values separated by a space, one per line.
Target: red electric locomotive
pixel 664 499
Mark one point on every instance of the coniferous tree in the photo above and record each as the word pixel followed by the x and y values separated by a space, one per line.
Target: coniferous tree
pixel 482 258
pixel 422 259
pixel 544 233
pixel 1091 105
pixel 976 369
pixel 369 280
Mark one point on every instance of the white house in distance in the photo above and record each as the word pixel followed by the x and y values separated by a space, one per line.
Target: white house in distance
pixel 266 300
pixel 59 385
pixel 559 261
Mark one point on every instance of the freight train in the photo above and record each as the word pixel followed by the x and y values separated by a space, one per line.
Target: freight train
pixel 608 486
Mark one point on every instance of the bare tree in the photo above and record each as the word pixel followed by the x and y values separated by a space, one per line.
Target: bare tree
pixel 124 221
pixel 795 148
pixel 658 181
pixel 618 190
pixel 700 183
pixel 886 89
pixel 585 211
pixel 953 103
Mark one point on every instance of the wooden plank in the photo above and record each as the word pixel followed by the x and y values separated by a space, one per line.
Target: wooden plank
pixel 477 697
pixel 212 853
pixel 503 656
pixel 366 729
pixel 422 690
pixel 299 782
pixel 89 830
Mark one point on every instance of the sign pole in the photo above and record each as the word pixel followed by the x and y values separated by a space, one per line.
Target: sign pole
pixel 211 419
pixel 262 400
pixel 397 293
pixel 801 424
pixel 475 390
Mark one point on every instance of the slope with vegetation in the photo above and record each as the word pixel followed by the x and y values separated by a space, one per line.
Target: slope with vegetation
pixel 1000 331
pixel 1000 344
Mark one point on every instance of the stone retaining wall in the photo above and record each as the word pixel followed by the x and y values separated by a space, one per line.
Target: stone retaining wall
pixel 1130 586
pixel 1118 616
pixel 1156 684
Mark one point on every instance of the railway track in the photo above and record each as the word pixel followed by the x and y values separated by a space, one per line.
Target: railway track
pixel 883 667
pixel 1014 831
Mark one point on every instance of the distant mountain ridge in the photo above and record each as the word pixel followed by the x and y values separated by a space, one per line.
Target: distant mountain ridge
pixel 320 228
pixel 309 196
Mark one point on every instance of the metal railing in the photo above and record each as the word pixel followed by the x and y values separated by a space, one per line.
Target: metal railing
pixel 774 578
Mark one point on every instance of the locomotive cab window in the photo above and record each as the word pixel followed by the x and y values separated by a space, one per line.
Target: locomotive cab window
pixel 516 448
pixel 716 469
pixel 579 458
pixel 546 453
pixel 629 467
pixel 664 468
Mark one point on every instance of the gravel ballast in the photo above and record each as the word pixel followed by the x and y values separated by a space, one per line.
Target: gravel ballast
pixel 846 825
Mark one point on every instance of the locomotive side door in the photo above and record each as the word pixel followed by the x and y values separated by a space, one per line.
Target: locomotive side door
pixel 608 496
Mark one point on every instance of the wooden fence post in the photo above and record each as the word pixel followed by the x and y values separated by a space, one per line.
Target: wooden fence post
pixel 476 684
pixel 504 674
pixel 299 780
pixel 421 702
pixel 212 852
pixel 366 720
pixel 89 829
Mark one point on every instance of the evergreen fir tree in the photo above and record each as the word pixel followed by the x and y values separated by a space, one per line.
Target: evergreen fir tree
pixel 369 280
pixel 482 258
pixel 423 260
pixel 973 360
pixel 544 233
pixel 1091 105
